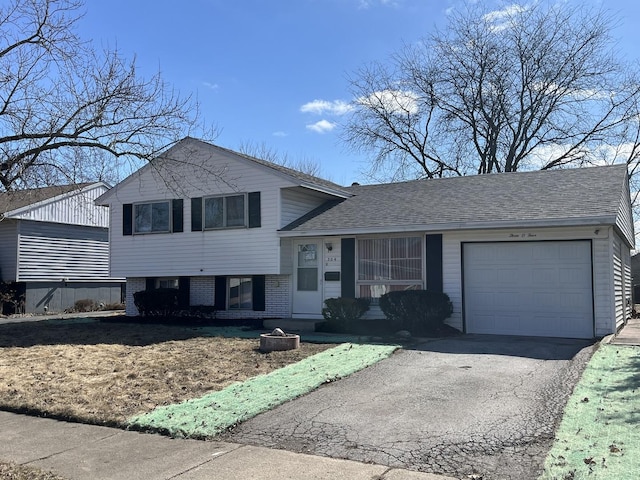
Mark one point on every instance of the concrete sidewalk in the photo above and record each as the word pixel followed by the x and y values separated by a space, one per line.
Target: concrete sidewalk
pixel 629 334
pixel 87 452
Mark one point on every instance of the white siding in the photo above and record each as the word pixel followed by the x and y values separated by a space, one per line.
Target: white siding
pixel 78 209
pixel 603 301
pixel 621 281
pixel 628 283
pixel 243 251
pixel 624 219
pixel 296 202
pixel 618 282
pixel 8 250
pixel 286 256
pixel 50 251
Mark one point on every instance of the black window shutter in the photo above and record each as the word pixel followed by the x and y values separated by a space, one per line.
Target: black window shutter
pixel 196 214
pixel 348 268
pixel 127 219
pixel 184 284
pixel 254 210
pixel 220 294
pixel 259 300
pixel 150 283
pixel 177 205
pixel 434 262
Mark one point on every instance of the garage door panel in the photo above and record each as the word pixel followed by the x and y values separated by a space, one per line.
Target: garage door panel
pixel 508 276
pixel 537 288
pixel 547 276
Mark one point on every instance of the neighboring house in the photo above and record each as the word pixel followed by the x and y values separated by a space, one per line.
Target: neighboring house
pixel 54 247
pixel 543 253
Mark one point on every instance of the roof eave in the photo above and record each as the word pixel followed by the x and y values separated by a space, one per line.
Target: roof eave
pixel 453 226
pixel 21 210
pixel 326 190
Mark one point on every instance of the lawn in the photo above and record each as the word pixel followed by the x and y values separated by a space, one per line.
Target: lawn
pixel 598 437
pixel 157 377
pixel 105 373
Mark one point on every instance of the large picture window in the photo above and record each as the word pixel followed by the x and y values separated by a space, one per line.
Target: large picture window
pixel 389 264
pixel 152 217
pixel 224 212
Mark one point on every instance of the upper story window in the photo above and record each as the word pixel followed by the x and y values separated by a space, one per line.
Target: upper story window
pixel 225 212
pixel 152 217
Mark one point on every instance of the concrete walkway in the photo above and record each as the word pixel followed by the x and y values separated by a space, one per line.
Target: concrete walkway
pixel 629 334
pixel 86 452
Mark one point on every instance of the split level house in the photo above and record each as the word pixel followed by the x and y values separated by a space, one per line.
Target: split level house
pixel 54 248
pixel 543 253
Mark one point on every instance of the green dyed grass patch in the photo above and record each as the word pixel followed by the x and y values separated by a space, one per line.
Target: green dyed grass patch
pixel 599 436
pixel 212 414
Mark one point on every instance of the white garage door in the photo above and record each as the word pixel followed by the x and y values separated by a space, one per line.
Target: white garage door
pixel 529 288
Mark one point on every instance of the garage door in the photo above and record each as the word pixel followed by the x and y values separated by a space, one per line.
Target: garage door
pixel 529 288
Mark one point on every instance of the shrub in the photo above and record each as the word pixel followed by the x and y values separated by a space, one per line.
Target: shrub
pixel 84 305
pixel 160 302
pixel 341 312
pixel 418 311
pixel 12 298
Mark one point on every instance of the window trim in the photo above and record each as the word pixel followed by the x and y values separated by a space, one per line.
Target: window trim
pixel 169 204
pixel 245 212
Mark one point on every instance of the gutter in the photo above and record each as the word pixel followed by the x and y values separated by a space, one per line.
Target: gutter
pixel 454 226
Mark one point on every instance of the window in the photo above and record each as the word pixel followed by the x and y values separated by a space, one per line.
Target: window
pixel 168 282
pixel 388 264
pixel 307 268
pixel 152 217
pixel 240 293
pixel 224 212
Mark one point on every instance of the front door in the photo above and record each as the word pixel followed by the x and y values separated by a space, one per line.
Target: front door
pixel 307 285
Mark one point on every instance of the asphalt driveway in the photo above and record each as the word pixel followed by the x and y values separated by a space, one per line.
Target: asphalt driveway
pixel 475 404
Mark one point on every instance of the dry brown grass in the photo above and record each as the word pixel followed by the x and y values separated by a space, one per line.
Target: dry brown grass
pixel 11 471
pixel 104 373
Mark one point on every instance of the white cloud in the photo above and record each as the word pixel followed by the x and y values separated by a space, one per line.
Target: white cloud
pixel 499 19
pixel 398 102
pixel 212 86
pixel 323 126
pixel 365 4
pixel 321 107
pixel 280 134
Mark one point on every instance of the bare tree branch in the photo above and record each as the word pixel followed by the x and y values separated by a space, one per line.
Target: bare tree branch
pixel 535 86
pixel 61 100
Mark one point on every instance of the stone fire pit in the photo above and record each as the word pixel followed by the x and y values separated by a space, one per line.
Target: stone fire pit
pixel 278 340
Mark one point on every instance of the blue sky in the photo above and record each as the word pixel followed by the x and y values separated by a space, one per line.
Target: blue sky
pixel 275 72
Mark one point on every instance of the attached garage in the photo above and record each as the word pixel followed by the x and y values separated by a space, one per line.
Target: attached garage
pixel 540 288
pixel 540 253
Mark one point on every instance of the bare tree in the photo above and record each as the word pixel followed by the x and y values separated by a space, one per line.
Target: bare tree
pixel 264 152
pixel 535 86
pixel 70 112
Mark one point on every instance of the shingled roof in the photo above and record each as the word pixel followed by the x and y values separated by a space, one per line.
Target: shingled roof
pixel 14 200
pixel 554 197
